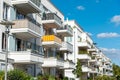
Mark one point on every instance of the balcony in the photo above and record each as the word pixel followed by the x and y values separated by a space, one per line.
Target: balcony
pixel 27 6
pixel 53 62
pixel 92 50
pixel 26 57
pixel 84 44
pixel 25 29
pixel 2 56
pixel 93 61
pixel 69 65
pixel 83 56
pixel 66 47
pixel 98 63
pixel 51 20
pixel 65 31
pixel 51 41
pixel 85 68
pixel 94 70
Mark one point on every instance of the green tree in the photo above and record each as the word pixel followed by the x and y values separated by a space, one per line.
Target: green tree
pixel 78 70
pixel 116 71
pixel 104 77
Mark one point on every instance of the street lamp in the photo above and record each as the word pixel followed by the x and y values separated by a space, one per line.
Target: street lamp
pixel 7 24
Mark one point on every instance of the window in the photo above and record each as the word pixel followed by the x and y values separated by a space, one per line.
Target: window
pixel 2 66
pixel 19 16
pixel 69 39
pixel 5 11
pixel 3 41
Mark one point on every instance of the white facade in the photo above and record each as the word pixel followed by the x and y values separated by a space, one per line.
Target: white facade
pixel 42 42
pixel 88 54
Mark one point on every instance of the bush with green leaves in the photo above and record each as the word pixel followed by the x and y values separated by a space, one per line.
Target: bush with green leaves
pixel 65 78
pixel 51 78
pixel 18 75
pixel 44 77
pixel 1 75
pixel 105 77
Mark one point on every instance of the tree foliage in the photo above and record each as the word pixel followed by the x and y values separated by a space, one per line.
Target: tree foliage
pixel 116 70
pixel 104 77
pixel 78 70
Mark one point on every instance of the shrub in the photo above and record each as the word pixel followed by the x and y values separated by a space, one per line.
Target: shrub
pixel 45 77
pixel 65 78
pixel 1 75
pixel 51 78
pixel 104 77
pixel 18 75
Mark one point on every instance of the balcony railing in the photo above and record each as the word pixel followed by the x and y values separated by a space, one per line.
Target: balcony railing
pixel 37 2
pixel 27 6
pixel 52 16
pixel 53 62
pixel 26 26
pixel 65 31
pixel 66 27
pixel 69 64
pixel 66 46
pixel 48 38
pixel 26 57
pixel 84 44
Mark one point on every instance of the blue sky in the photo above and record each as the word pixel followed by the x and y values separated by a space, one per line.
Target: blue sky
pixel 100 18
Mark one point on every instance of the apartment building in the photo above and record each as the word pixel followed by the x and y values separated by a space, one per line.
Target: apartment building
pixel 25 36
pixel 53 41
pixel 89 55
pixel 41 42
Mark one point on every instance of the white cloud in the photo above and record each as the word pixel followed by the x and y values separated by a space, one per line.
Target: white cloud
pixel 108 35
pixel 110 51
pixel 80 7
pixel 116 19
pixel 113 54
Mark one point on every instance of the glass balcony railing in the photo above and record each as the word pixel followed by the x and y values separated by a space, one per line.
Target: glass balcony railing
pixel 66 27
pixel 51 16
pixel 37 2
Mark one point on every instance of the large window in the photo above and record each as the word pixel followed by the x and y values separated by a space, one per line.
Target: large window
pixel 5 11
